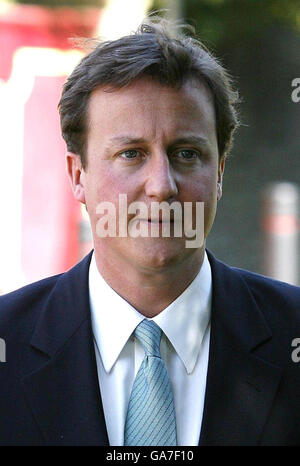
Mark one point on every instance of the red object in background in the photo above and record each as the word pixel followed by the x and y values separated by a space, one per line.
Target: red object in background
pixel 34 26
pixel 50 215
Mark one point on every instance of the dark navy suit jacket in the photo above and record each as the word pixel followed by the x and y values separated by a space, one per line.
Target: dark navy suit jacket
pixel 49 386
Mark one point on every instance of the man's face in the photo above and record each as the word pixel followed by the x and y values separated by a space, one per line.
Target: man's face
pixel 153 143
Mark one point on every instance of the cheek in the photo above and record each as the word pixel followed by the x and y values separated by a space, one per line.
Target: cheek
pixel 107 186
pixel 202 188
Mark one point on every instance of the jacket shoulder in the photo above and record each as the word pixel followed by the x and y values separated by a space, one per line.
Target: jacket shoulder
pixel 257 281
pixel 24 303
pixel 278 300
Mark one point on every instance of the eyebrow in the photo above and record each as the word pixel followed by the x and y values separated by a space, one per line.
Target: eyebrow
pixel 196 140
pixel 127 140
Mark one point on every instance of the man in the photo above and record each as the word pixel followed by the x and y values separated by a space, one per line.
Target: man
pixel 148 341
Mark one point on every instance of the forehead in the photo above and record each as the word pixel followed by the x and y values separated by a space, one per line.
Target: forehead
pixel 146 102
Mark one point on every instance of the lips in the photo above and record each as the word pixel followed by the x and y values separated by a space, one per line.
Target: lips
pixel 169 218
pixel 155 220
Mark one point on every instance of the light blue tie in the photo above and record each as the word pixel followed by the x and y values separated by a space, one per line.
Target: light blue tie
pixel 150 417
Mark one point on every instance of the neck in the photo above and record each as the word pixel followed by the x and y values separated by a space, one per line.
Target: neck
pixel 149 291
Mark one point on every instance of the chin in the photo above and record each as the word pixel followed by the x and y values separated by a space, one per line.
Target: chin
pixel 160 253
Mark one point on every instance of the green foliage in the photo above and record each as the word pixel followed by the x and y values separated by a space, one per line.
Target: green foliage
pixel 220 20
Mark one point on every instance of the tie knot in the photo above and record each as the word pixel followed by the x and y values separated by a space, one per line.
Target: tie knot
pixel 148 334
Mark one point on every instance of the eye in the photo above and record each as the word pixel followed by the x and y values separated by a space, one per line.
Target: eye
pixel 187 154
pixel 130 154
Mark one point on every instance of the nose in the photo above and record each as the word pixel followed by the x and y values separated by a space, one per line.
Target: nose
pixel 161 184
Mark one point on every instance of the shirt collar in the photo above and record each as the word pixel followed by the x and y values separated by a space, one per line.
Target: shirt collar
pixel 184 321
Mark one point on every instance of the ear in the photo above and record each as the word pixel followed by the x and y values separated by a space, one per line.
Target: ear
pixel 220 176
pixel 75 174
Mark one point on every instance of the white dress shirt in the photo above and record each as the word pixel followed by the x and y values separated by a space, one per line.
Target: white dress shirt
pixel 184 348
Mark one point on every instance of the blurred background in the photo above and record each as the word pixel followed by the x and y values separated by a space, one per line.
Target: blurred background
pixel 44 231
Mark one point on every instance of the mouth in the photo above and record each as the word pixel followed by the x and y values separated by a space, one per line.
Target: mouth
pixel 157 220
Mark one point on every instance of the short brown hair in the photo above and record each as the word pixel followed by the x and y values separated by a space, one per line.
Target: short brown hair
pixel 153 50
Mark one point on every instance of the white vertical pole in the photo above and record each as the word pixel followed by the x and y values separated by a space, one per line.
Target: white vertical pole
pixel 174 8
pixel 121 17
pixel 281 232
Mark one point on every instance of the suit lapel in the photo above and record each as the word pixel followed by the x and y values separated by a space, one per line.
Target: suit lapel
pixel 62 388
pixel 240 386
pixel 63 392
